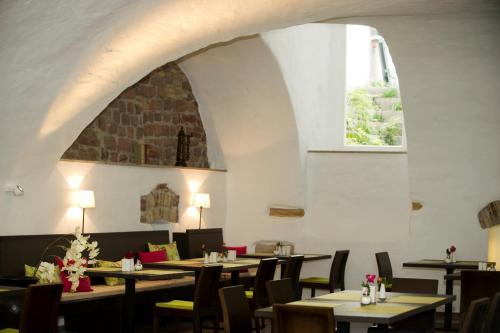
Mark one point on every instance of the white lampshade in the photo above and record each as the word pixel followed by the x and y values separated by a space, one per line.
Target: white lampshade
pixel 201 200
pixel 86 199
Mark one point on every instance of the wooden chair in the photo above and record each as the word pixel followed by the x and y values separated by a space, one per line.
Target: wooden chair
pixel 384 267
pixel 421 323
pixel 299 319
pixel 235 310
pixel 492 324
pixel 203 306
pixel 336 279
pixel 475 316
pixel 40 309
pixel 292 272
pixel 477 284
pixel 280 291
pixel 258 296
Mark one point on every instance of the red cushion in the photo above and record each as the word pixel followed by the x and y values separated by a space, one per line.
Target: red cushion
pixel 155 256
pixel 239 249
pixel 83 286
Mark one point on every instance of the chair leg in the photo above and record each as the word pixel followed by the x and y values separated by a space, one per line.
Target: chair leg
pixel 313 292
pixel 300 292
pixel 197 325
pixel 176 323
pixel 257 325
pixel 156 321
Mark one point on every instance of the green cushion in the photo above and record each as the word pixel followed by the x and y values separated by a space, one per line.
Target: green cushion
pixel 249 294
pixel 112 281
pixel 9 330
pixel 170 249
pixel 176 304
pixel 317 280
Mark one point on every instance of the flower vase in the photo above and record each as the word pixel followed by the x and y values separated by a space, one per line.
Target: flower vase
pixel 205 258
pixel 381 293
pixel 365 298
pixel 448 259
pixel 373 294
pixel 453 259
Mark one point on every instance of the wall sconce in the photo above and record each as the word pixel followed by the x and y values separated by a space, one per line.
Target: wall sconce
pixel 201 200
pixel 16 190
pixel 85 200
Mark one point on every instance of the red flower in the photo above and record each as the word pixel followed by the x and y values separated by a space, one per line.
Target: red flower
pixel 453 248
pixel 370 278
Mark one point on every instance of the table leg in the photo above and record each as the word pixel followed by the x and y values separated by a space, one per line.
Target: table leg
pixel 235 278
pixel 282 270
pixel 343 327
pixel 196 276
pixel 448 308
pixel 128 313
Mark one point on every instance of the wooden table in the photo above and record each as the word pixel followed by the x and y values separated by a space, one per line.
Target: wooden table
pixel 130 278
pixel 450 269
pixel 347 308
pixel 11 291
pixel 197 264
pixel 282 260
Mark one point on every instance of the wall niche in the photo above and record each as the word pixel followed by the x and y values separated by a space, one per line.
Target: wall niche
pixel 141 125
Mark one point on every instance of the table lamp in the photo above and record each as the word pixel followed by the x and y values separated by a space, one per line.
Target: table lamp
pixel 86 200
pixel 201 200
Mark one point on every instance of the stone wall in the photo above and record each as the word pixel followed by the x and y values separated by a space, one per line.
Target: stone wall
pixel 141 125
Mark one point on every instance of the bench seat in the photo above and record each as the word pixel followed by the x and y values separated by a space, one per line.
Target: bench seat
pixel 104 291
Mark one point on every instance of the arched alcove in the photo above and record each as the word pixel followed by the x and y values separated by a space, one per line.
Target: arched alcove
pixel 141 125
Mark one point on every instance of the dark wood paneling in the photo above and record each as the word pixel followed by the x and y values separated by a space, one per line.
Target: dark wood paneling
pixel 15 251
pixel 190 243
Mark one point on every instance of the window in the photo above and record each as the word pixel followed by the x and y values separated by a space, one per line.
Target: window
pixel 373 117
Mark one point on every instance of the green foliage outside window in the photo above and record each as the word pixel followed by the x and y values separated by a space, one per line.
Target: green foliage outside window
pixel 367 123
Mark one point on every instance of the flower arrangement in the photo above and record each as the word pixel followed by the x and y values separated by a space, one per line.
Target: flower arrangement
pixel 450 252
pixel 78 256
pixel 365 284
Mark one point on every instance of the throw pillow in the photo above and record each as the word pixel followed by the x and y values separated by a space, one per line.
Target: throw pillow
pixel 84 284
pixel 111 281
pixel 155 256
pixel 170 249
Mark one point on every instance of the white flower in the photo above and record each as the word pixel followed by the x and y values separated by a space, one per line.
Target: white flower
pixel 75 262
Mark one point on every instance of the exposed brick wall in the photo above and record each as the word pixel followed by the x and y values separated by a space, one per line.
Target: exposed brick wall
pixel 151 113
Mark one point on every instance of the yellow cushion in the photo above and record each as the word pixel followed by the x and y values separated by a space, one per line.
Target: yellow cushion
pixel 29 271
pixel 249 294
pixel 170 249
pixel 318 280
pixel 9 330
pixel 176 304
pixel 111 281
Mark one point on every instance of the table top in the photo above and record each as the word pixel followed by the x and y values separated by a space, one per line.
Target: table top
pixel 433 263
pixel 11 291
pixel 307 257
pixel 145 274
pixel 346 306
pixel 197 264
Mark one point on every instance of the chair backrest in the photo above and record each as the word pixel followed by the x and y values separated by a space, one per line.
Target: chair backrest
pixel 292 271
pixel 40 309
pixel 299 319
pixel 265 272
pixel 235 310
pixel 280 291
pixel 477 284
pixel 417 286
pixel 475 316
pixel 205 293
pixel 492 324
pixel 384 266
pixel 337 271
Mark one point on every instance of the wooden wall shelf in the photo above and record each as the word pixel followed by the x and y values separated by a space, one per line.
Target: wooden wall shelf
pixel 286 212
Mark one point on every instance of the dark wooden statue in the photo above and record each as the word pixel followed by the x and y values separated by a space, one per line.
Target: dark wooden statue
pixel 183 142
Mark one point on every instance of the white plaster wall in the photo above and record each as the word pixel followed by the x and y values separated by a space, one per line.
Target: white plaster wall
pixel 312 61
pixel 48 206
pixel 254 119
